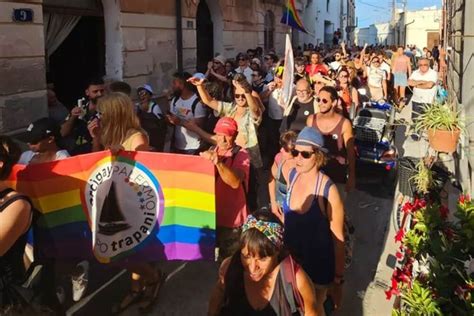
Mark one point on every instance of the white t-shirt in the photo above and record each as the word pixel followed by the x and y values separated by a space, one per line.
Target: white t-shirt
pixel 335 65
pixel 376 76
pixel 247 73
pixel 275 109
pixel 424 95
pixel 386 67
pixel 26 157
pixel 183 138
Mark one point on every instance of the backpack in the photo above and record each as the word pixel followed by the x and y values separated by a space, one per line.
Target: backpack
pixel 193 106
pixel 155 127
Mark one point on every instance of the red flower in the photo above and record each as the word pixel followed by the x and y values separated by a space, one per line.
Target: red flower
pixel 399 255
pixel 444 211
pixel 449 233
pixel 464 198
pixel 400 234
pixel 418 204
pixel 407 207
pixel 393 290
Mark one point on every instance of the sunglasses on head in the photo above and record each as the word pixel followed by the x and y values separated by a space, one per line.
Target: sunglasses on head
pixel 322 100
pixel 304 154
pixel 239 96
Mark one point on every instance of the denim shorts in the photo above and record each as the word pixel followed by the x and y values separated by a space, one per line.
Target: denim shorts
pixel 400 79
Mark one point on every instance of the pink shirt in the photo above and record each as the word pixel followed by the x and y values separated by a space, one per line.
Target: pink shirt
pixel 400 64
pixel 231 204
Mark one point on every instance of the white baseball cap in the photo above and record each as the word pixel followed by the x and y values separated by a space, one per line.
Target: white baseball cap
pixel 146 87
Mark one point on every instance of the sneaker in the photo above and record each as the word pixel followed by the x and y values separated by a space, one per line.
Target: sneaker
pixel 79 280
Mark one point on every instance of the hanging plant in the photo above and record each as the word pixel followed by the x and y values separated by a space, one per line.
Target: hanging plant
pixel 437 272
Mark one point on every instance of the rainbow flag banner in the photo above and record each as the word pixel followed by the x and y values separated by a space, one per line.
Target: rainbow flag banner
pixel 291 18
pixel 133 206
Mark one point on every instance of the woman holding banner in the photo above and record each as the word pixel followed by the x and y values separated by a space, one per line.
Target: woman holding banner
pixel 15 220
pixel 261 278
pixel 118 128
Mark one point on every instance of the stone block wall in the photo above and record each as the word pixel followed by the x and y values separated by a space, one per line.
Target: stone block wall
pixel 22 67
pixel 149 42
pixel 459 31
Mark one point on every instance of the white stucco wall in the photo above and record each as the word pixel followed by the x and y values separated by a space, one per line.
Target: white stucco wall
pixel 424 21
pixel 314 17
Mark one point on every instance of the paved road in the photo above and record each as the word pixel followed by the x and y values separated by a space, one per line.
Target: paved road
pixel 187 289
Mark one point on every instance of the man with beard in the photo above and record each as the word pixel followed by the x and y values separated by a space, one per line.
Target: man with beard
pixel 338 139
pixel 75 126
pixel 185 106
pixel 300 107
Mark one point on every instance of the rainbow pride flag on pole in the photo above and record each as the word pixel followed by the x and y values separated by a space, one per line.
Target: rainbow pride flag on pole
pixel 133 206
pixel 291 18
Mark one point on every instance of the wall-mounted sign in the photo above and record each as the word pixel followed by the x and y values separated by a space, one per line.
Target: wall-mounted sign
pixel 23 15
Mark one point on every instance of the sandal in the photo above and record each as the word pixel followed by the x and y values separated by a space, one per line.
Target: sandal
pixel 151 293
pixel 131 298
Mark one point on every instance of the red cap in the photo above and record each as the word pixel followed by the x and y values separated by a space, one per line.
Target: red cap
pixel 227 126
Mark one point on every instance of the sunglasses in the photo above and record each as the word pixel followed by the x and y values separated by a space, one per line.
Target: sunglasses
pixel 254 75
pixel 304 154
pixel 324 101
pixel 239 96
pixel 240 59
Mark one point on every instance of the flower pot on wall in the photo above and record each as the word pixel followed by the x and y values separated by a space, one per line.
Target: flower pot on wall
pixel 443 141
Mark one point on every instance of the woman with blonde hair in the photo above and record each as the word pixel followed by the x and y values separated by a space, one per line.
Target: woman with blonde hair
pixel 117 128
pixel 118 125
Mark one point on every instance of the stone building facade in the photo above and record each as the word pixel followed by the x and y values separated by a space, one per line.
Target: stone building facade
pixel 138 41
pixel 458 40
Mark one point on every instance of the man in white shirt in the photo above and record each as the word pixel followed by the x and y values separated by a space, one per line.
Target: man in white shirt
pixel 423 80
pixel 185 106
pixel 337 63
pixel 244 68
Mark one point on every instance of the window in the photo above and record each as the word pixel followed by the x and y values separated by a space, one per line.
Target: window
pixel 327 5
pixel 269 31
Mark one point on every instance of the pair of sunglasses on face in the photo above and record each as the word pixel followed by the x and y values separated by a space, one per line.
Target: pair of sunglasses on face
pixel 322 100
pixel 239 96
pixel 305 154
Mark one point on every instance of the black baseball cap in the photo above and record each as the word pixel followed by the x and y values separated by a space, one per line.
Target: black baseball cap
pixel 42 129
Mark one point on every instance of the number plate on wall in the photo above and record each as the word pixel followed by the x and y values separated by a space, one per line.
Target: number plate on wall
pixel 23 15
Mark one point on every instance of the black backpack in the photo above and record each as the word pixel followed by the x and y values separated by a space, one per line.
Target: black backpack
pixel 155 127
pixel 193 106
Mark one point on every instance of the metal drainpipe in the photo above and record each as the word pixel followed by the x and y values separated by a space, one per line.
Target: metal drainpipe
pixel 179 35
pixel 405 41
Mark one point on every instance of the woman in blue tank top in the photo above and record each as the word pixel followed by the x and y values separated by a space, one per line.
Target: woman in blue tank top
pixel 314 218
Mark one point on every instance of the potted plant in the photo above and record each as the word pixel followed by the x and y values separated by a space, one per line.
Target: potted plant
pixel 443 124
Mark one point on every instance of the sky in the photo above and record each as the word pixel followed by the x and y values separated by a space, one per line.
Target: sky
pixel 376 11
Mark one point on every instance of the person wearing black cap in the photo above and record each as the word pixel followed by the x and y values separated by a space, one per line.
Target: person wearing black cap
pixel 42 137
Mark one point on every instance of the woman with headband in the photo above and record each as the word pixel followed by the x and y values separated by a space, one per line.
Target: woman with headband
pixel 261 278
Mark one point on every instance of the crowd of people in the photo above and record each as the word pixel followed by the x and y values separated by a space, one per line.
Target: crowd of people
pixel 283 169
